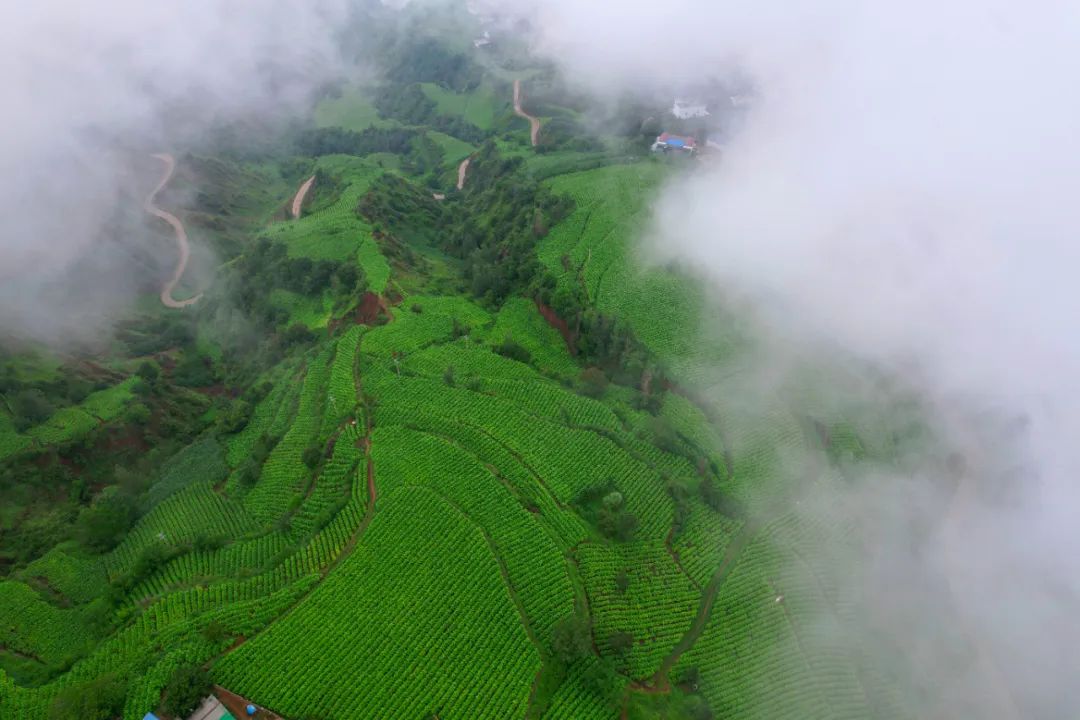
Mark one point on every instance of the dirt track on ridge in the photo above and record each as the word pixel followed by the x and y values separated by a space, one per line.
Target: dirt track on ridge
pixel 181 237
pixel 533 122
pixel 462 169
pixel 298 201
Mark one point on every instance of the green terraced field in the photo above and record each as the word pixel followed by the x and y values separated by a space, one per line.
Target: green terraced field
pixel 520 321
pixel 454 150
pixel 451 599
pixel 599 243
pixel 353 110
pixel 478 107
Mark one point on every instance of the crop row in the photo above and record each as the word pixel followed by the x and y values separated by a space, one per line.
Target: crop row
pixel 703 540
pixel 535 567
pixel 79 578
pixel 277 404
pixel 334 232
pixel 32 627
pixel 452 306
pixel 767 453
pixel 332 487
pixel 284 473
pixel 656 606
pixel 64 425
pixel 137 647
pixel 439 631
pixel 408 333
pixel 544 397
pixel 584 459
pixel 576 700
pixel 341 398
pixel 468 360
pixel 202 460
pixel 567 528
pixel 520 321
pixel 237 559
pixel 770 648
pixel 194 513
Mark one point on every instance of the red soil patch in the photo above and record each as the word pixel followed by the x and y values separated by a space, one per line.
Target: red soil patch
pixel 237 705
pixel 368 310
pixel 559 324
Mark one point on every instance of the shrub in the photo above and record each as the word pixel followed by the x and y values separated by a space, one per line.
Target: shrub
pixel 593 382
pixel 186 688
pixel 510 349
pixel 621 642
pixel 100 699
pixel 103 525
pixel 311 458
pixel 571 639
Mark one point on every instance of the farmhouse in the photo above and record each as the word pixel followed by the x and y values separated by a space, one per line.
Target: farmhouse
pixel 667 143
pixel 211 709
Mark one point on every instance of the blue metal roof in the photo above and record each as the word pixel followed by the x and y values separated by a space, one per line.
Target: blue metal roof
pixel 150 716
pixel 676 142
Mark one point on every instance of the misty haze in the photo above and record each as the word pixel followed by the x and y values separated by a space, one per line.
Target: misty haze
pixel 503 359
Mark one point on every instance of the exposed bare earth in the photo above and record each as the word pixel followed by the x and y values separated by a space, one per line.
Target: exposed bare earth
pixel 533 122
pixel 463 168
pixel 181 237
pixel 298 201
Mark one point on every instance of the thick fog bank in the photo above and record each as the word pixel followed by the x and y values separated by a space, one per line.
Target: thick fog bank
pixel 90 89
pixel 904 187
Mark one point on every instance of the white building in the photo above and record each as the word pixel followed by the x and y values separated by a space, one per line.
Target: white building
pixel 687 109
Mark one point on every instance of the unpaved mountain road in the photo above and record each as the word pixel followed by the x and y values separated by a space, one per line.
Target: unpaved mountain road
pixel 298 201
pixel 533 122
pixel 463 168
pixel 178 230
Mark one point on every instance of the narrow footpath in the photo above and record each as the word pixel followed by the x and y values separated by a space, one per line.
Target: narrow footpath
pixel 181 237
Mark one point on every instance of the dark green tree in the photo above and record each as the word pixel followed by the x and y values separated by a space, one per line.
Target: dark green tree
pixel 103 525
pixel 571 639
pixel 99 699
pixel 186 688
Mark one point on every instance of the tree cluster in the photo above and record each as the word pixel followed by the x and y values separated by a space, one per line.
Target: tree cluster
pixel 424 59
pixel 412 106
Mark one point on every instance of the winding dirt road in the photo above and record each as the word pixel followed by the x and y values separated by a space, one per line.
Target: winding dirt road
pixel 298 201
pixel 181 237
pixel 535 123
pixel 462 169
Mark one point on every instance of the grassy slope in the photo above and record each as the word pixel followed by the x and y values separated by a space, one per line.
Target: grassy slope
pixel 353 110
pixel 337 232
pixel 599 244
pixel 478 107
